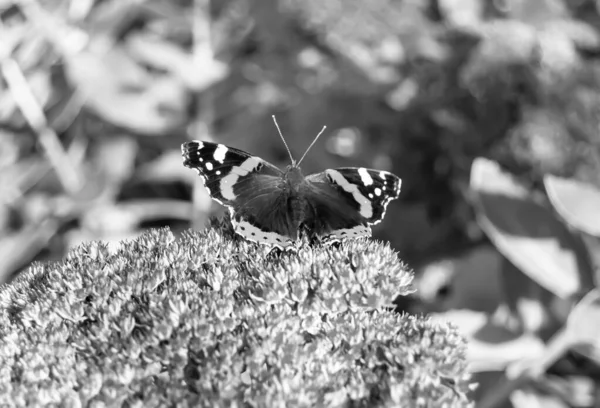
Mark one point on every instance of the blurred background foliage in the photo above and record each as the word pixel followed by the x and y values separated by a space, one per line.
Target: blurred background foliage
pixel 488 111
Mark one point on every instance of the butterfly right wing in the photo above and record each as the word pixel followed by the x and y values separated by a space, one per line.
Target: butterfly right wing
pixel 247 185
pixel 346 201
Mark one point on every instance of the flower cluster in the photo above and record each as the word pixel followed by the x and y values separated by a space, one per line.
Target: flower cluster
pixel 209 319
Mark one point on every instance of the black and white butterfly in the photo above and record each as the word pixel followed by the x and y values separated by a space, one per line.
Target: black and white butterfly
pixel 274 207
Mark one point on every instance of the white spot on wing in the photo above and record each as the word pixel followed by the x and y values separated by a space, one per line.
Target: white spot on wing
pixel 365 177
pixel 383 175
pixel 209 166
pixel 227 182
pixel 219 154
pixel 378 191
pixel 198 142
pixel 218 172
pixel 255 234
pixel 366 210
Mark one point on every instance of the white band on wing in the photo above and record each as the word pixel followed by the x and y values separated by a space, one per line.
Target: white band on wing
pixel 227 182
pixel 366 208
pixel 255 234
pixel 354 232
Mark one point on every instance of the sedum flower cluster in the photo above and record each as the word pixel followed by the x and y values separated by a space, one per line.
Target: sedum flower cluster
pixel 208 319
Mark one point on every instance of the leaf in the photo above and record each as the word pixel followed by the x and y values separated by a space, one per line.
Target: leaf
pixel 536 12
pixel 528 307
pixel 504 43
pixel 583 327
pixel 10 113
pixel 115 157
pixel 125 94
pixel 582 34
pixel 19 248
pixel 166 168
pixel 123 217
pixel 197 71
pixel 527 233
pixel 529 397
pixel 576 202
pixel 461 13
pixel 490 347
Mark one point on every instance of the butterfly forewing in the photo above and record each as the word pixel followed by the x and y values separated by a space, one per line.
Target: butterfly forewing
pixel 250 187
pixel 229 174
pixel 367 191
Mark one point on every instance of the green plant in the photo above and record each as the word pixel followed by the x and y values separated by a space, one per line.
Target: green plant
pixel 551 250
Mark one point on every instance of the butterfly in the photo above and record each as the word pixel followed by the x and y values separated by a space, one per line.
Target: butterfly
pixel 275 207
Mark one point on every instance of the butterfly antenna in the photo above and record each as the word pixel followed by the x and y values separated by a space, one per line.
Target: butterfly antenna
pixel 311 145
pixel 286 146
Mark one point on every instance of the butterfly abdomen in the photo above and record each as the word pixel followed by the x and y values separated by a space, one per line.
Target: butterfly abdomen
pixel 296 210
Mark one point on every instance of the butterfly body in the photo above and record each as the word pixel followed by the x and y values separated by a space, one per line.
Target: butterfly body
pixel 274 207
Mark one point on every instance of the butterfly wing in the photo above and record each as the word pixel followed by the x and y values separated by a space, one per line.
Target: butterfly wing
pixel 251 188
pixel 346 201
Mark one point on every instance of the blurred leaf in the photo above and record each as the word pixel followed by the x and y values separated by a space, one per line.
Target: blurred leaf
pixel 576 202
pixel 41 87
pixel 583 326
pixel 166 168
pixel 197 71
pixel 11 38
pixel 535 11
pixel 111 219
pixel 462 13
pixel 19 248
pixel 470 280
pixel 521 372
pixel 124 93
pixel 19 178
pixel 541 140
pixel 556 52
pixel 34 51
pixel 116 158
pixel 495 354
pixel 576 390
pixel 583 35
pixel 530 398
pixel 490 347
pixel 581 330
pixel 527 233
pixel 528 307
pixel 504 43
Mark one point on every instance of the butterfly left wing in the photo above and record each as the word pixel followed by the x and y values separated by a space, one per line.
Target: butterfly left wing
pixel 346 201
pixel 247 185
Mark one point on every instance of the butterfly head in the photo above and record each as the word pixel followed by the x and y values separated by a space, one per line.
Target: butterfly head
pixel 294 164
pixel 294 176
